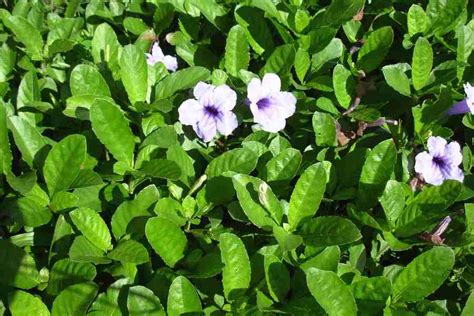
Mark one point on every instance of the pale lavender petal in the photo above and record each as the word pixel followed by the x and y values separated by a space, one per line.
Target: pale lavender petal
pixel 190 111
pixel 286 103
pixel 425 166
pixel 224 97
pixel 453 153
pixel 203 91
pixel 454 173
pixel 170 62
pixel 205 128
pixel 436 146
pixel 157 52
pixel 227 123
pixel 269 119
pixel 271 83
pixel 254 90
pixel 469 90
pixel 150 59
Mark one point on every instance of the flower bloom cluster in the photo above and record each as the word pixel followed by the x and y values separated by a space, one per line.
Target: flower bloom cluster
pixel 211 109
pixel 441 161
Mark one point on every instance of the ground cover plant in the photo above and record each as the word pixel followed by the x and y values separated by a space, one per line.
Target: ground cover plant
pixel 300 157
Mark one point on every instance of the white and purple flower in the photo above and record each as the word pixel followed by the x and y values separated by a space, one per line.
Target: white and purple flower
pixel 211 111
pixel 270 106
pixel 157 56
pixel 441 162
pixel 466 105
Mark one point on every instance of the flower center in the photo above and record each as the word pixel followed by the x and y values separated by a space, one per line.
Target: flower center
pixel 212 111
pixel 264 103
pixel 441 162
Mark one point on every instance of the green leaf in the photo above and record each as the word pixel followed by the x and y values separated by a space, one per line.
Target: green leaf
pixel 87 80
pixel 111 128
pixel 371 294
pixel 18 268
pixel 82 250
pixel 141 301
pixel 341 11
pixel 22 303
pixel 134 73
pixel 444 15
pixel 239 160
pixel 28 35
pixel 27 138
pixel 262 208
pixel 281 60
pixel 376 171
pixel 66 272
pixel 256 27
pixel 236 51
pixel 469 307
pixel 375 49
pixel 180 80
pixel 286 240
pixel 106 47
pixel 424 275
pixel 326 231
pixel 327 260
pixel 92 226
pixel 465 47
pixel 129 251
pixel 396 78
pixel 75 299
pixel 161 168
pixel 28 211
pixel 393 200
pixel 331 292
pixel 236 272
pixel 167 239
pixel 28 92
pixel 427 208
pixel 182 298
pixel 324 126
pixel 417 20
pixel 284 166
pixel 129 210
pixel 63 163
pixel 421 64
pixel 277 277
pixel 344 85
pixel 331 51
pixel 302 64
pixel 7 62
pixel 307 195
pixel 113 301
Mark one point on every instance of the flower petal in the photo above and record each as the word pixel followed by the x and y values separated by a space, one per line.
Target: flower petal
pixel 425 166
pixel 453 153
pixel 254 90
pixel 205 128
pixel 271 83
pixel 170 62
pixel 436 146
pixel 286 103
pixel 224 97
pixel 269 119
pixel 469 90
pixel 203 92
pixel 227 123
pixel 454 173
pixel 157 52
pixel 150 59
pixel 190 111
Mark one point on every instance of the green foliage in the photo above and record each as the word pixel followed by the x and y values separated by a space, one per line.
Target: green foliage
pixel 110 205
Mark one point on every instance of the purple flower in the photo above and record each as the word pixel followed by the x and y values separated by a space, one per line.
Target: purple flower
pixel 157 56
pixel 466 105
pixel 270 106
pixel 440 162
pixel 210 111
